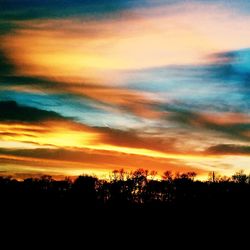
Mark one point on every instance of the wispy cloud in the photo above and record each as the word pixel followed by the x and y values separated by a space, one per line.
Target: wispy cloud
pixel 229 149
pixel 12 112
pixel 139 83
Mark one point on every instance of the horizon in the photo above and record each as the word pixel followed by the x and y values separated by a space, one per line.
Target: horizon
pixel 87 87
pixel 123 175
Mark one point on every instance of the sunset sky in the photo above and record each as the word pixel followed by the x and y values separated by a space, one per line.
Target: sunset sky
pixel 88 86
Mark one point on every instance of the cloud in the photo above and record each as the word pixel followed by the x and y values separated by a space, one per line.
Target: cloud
pixel 120 99
pixel 7 27
pixel 6 66
pixel 81 160
pixel 72 134
pixel 231 66
pixel 41 127
pixel 103 97
pixel 138 139
pixel 36 9
pixel 149 38
pixel 237 128
pixel 85 57
pixel 64 133
pixel 10 111
pixel 69 147
pixel 143 63
pixel 106 98
pixel 229 149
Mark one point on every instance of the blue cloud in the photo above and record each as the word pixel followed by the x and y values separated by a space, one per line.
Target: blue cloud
pixel 32 9
pixel 220 86
pixel 80 109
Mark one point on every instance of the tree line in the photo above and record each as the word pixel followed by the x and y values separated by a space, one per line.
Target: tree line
pixel 136 189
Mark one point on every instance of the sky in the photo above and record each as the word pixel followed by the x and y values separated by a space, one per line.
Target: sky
pixel 89 86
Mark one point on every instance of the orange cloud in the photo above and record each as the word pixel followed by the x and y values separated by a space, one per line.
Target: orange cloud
pixel 100 148
pixel 139 103
pixel 224 118
pixel 86 57
pixel 71 52
pixel 148 38
pixel 77 161
pixel 57 134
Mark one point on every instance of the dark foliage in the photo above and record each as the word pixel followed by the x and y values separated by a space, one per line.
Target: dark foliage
pixel 135 190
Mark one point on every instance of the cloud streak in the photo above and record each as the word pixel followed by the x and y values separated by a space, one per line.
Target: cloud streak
pixel 138 83
pixel 10 111
pixel 229 149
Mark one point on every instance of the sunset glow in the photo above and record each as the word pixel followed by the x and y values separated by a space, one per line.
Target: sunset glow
pixel 92 87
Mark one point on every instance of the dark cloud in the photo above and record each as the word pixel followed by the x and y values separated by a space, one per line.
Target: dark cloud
pixel 137 139
pixel 7 27
pixel 229 149
pixel 14 134
pixel 17 80
pixel 33 9
pixel 222 84
pixel 10 77
pixel 197 120
pixel 10 111
pixel 6 66
pixel 120 98
pixel 232 76
pixel 231 67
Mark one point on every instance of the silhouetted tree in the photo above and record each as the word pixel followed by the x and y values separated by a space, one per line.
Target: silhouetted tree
pixel 84 190
pixel 240 177
pixel 139 188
